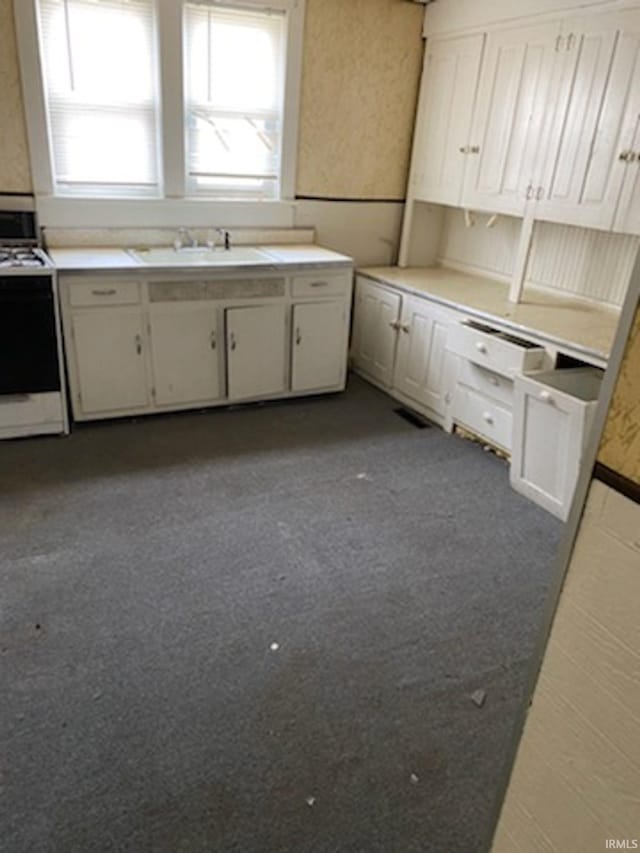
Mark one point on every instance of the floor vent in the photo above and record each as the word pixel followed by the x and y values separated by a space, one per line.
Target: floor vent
pixel 412 417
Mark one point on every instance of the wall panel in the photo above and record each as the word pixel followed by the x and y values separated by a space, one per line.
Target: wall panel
pixel 15 172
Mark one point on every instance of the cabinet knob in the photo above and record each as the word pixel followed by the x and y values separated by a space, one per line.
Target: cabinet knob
pixel 488 417
pixel 405 329
pixel 481 347
pixel 546 397
pixel 539 193
pixel 298 338
pixel 394 325
pixel 232 341
pixel 213 340
pixel 474 149
pixel 627 156
pixel 138 341
pixel 529 193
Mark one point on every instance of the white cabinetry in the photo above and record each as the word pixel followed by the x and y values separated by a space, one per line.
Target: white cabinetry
pixel 555 132
pixel 447 96
pixel 420 370
pixel 319 342
pixel 489 360
pixel 375 325
pixel 510 116
pixel 552 415
pixel 159 341
pixel 256 337
pixel 110 374
pixel 399 343
pixel 185 352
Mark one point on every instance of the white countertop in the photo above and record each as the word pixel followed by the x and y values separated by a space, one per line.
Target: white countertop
pixel 95 259
pixel 584 327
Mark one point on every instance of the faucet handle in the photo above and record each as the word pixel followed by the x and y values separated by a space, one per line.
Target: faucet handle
pixel 225 236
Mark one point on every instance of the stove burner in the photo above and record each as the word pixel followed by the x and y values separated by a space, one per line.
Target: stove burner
pixel 19 257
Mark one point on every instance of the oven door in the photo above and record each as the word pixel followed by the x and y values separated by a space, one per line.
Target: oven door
pixel 28 339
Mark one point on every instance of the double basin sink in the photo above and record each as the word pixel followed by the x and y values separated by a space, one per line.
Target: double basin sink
pixel 198 255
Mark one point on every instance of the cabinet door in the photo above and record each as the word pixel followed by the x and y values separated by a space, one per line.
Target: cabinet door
pixel 110 360
pixel 581 178
pixel 447 96
pixel 549 434
pixel 375 333
pixel 626 156
pixel 509 117
pixel 256 345
pixel 185 351
pixel 420 366
pixel 318 354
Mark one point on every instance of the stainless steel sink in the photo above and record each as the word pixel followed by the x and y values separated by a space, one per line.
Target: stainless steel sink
pixel 194 255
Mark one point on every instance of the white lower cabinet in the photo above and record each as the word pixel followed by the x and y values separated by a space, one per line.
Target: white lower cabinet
pixel 163 341
pixel 553 411
pixel 399 342
pixel 318 352
pixel 375 328
pixel 109 349
pixel 185 352
pixel 256 348
pixel 421 360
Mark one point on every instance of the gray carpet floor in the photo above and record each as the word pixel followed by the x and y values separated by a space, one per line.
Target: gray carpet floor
pixel 148 569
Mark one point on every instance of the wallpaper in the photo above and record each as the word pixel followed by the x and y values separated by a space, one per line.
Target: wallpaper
pixel 15 173
pixel 620 447
pixel 361 69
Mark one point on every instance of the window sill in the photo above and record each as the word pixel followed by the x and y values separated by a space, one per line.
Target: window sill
pixel 64 212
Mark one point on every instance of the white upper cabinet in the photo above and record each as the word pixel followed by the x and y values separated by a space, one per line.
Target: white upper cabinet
pixel 447 96
pixel 627 152
pixel 509 118
pixel 592 122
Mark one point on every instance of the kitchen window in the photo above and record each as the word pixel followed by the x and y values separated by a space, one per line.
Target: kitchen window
pixel 99 70
pixel 153 107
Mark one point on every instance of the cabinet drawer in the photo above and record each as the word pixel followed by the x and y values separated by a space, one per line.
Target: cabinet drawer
pixel 320 284
pixel 27 409
pixel 487 382
pixel 484 416
pixel 498 351
pixel 104 293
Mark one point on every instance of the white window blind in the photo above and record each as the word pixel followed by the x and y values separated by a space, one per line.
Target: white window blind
pixel 99 64
pixel 234 85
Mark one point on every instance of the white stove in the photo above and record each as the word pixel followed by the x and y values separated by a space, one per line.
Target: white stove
pixel 32 389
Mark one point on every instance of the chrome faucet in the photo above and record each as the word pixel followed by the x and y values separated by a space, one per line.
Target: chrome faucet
pixel 184 237
pixel 225 236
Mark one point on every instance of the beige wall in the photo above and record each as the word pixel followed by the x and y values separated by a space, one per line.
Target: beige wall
pixel 576 779
pixel 362 62
pixel 361 70
pixel 15 173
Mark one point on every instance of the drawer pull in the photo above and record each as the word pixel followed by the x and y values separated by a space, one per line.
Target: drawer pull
pixel 405 329
pixel 111 291
pixel 546 397
pixel 494 381
pixel 319 284
pixel 481 347
pixel 232 341
pixel 395 325
pixel 488 417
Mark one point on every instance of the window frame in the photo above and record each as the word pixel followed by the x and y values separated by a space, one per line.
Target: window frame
pixel 173 206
